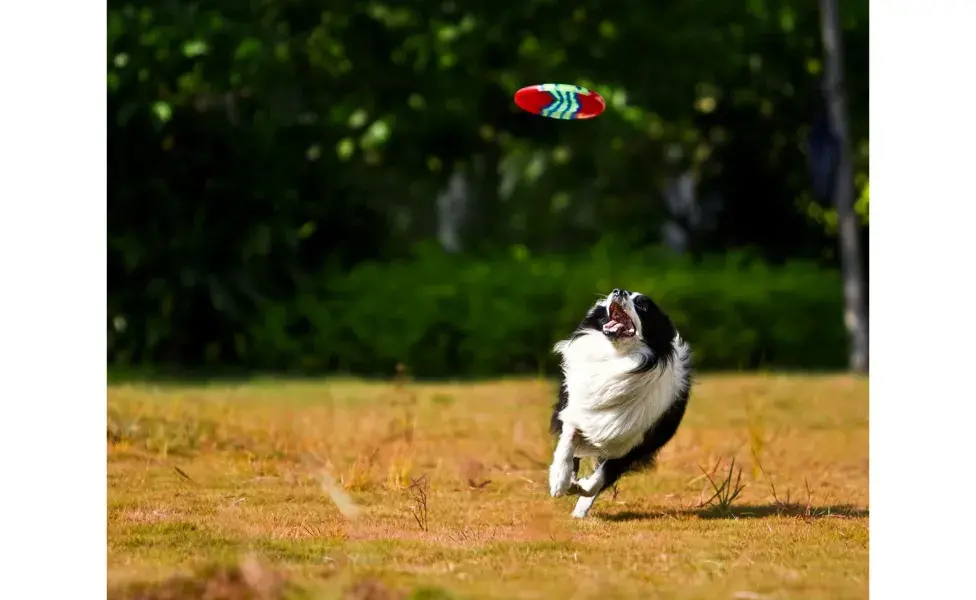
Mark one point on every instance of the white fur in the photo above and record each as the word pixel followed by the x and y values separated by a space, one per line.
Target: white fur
pixel 588 489
pixel 611 407
pixel 561 470
pixel 583 506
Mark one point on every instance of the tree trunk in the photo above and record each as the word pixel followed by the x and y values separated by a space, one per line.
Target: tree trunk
pixel 855 306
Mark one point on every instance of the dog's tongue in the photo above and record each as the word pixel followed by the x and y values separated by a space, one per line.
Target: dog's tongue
pixel 619 322
pixel 614 325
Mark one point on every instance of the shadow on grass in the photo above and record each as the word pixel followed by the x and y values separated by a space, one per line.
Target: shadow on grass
pixel 745 511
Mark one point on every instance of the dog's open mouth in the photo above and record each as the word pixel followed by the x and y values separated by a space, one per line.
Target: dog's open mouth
pixel 620 324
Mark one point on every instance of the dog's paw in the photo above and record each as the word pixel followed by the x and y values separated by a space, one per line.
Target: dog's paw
pixel 560 478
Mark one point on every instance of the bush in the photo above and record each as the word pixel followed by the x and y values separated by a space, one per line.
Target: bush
pixel 444 316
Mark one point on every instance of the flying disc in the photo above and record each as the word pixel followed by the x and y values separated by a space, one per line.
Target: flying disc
pixel 560 101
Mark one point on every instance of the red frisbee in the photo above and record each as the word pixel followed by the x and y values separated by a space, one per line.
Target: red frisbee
pixel 560 101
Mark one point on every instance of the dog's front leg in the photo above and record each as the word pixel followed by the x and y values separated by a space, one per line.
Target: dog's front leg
pixel 562 469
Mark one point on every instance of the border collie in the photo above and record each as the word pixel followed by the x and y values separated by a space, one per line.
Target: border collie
pixel 625 385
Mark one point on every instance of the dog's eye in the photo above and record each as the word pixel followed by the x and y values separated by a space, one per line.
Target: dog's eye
pixel 640 302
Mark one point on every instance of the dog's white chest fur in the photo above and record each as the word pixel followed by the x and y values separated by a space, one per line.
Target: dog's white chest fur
pixel 611 407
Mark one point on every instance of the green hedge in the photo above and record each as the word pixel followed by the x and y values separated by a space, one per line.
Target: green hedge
pixel 443 316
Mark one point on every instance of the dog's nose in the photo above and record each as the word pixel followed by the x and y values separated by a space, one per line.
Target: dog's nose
pixel 616 292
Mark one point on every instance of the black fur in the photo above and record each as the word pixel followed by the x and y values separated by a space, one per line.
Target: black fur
pixel 643 455
pixel 658 331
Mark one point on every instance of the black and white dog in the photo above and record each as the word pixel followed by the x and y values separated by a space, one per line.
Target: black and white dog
pixel 626 381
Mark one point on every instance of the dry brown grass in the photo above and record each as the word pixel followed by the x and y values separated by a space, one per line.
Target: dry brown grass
pixel 321 482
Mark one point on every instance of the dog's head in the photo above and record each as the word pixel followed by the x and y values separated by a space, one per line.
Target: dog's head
pixel 629 314
pixel 631 319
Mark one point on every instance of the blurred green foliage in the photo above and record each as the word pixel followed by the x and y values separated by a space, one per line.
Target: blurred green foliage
pixel 262 153
pixel 453 316
pixel 441 315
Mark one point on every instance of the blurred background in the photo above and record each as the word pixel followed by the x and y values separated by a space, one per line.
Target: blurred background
pixel 347 187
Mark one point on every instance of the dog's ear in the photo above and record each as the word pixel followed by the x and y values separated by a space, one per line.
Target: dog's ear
pixel 641 301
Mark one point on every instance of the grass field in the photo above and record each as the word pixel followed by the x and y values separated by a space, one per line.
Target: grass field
pixel 226 492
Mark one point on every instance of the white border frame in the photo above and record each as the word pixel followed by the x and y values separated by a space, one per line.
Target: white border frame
pixel 922 229
pixel 52 307
pixel 53 330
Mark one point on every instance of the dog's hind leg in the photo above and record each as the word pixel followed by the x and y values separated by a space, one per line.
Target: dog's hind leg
pixel 604 476
pixel 588 489
pixel 583 506
pixel 609 471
